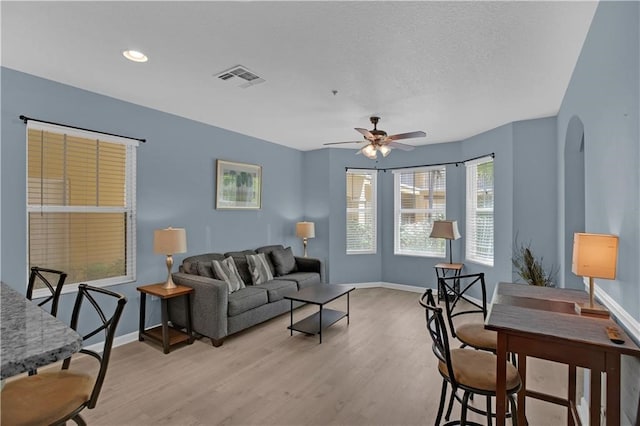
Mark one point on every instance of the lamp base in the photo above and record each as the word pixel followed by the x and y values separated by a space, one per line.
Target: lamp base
pixel 586 309
pixel 169 285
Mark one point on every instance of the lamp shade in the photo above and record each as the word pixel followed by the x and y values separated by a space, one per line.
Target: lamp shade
pixel 169 241
pixel 595 255
pixel 447 229
pixel 305 230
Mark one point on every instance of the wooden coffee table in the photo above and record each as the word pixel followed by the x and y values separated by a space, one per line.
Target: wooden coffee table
pixel 319 294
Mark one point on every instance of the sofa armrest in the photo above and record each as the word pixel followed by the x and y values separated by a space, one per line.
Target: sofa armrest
pixel 208 305
pixel 310 264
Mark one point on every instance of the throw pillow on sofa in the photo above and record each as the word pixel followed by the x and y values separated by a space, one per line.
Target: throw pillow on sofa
pixel 205 269
pixel 259 268
pixel 226 271
pixel 284 261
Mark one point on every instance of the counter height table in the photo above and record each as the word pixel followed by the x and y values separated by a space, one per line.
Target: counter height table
pixel 541 322
pixel 31 337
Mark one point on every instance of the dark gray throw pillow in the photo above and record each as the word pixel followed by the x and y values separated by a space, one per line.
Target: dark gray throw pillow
pixel 205 270
pixel 284 261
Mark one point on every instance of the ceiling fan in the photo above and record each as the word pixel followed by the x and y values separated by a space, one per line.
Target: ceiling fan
pixel 378 140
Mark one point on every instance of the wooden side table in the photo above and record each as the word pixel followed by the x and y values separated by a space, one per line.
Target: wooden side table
pixel 442 270
pixel 165 334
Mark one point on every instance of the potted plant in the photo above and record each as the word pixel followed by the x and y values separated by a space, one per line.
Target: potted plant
pixel 530 268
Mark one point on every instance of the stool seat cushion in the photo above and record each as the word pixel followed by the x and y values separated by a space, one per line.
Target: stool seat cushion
pixel 477 369
pixel 44 398
pixel 474 334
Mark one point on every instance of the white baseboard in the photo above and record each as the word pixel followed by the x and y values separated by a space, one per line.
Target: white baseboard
pixel 628 322
pixel 403 287
pixel 118 341
pixel 132 337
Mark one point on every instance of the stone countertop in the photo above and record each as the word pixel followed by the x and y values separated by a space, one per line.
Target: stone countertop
pixel 30 337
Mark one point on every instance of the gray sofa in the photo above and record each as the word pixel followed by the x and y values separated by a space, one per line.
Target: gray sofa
pixel 216 313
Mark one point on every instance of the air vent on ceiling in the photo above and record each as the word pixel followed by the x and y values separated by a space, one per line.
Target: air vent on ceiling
pixel 241 76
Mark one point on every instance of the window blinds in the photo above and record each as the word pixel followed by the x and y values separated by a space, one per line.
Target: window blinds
pixel 479 211
pixel 361 211
pixel 81 203
pixel 420 199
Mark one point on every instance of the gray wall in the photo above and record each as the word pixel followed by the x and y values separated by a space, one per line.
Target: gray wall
pixel 604 94
pixel 175 177
pixel 535 189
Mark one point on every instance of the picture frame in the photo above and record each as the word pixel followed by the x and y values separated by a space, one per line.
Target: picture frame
pixel 238 186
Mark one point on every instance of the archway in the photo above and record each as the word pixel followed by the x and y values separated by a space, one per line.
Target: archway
pixel 574 197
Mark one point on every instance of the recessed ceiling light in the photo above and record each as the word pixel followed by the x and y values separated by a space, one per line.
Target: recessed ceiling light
pixel 135 56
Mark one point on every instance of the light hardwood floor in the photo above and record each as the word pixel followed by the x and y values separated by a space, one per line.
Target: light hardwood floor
pixel 378 370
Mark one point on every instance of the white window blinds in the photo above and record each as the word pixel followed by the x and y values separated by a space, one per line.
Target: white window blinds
pixel 420 199
pixel 361 211
pixel 479 209
pixel 81 203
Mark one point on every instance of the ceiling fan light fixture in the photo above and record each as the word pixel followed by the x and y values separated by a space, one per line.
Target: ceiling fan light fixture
pixel 369 151
pixel 384 150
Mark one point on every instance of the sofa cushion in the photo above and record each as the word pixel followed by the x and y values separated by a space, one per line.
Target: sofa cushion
pixel 267 251
pixel 283 261
pixel 189 263
pixel 260 272
pixel 240 258
pixel 226 271
pixel 303 279
pixel 205 269
pixel 246 299
pixel 277 289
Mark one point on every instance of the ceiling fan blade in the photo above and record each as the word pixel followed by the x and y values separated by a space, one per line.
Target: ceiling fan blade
pixel 419 134
pixel 402 146
pixel 367 134
pixel 338 143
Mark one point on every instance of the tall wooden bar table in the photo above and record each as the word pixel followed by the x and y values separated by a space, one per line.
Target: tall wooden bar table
pixel 541 322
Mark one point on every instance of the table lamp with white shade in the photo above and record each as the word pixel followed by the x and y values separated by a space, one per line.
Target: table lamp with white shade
pixel 594 256
pixel 305 230
pixel 169 241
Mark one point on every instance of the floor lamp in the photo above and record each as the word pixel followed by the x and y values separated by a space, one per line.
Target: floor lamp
pixel 447 229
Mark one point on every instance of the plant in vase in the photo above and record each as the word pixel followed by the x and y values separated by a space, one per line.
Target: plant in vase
pixel 530 268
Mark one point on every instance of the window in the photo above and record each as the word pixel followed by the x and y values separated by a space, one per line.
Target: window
pixel 479 226
pixel 81 204
pixel 361 211
pixel 420 199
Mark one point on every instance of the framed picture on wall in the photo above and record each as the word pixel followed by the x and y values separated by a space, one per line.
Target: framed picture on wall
pixel 238 185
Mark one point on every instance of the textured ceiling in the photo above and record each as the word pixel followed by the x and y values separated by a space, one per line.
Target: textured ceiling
pixel 453 69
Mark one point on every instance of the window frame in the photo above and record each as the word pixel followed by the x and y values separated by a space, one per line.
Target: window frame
pixel 130 208
pixel 398 210
pixel 373 210
pixel 472 212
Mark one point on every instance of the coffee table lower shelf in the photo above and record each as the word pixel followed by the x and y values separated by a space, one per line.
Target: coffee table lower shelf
pixel 311 324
